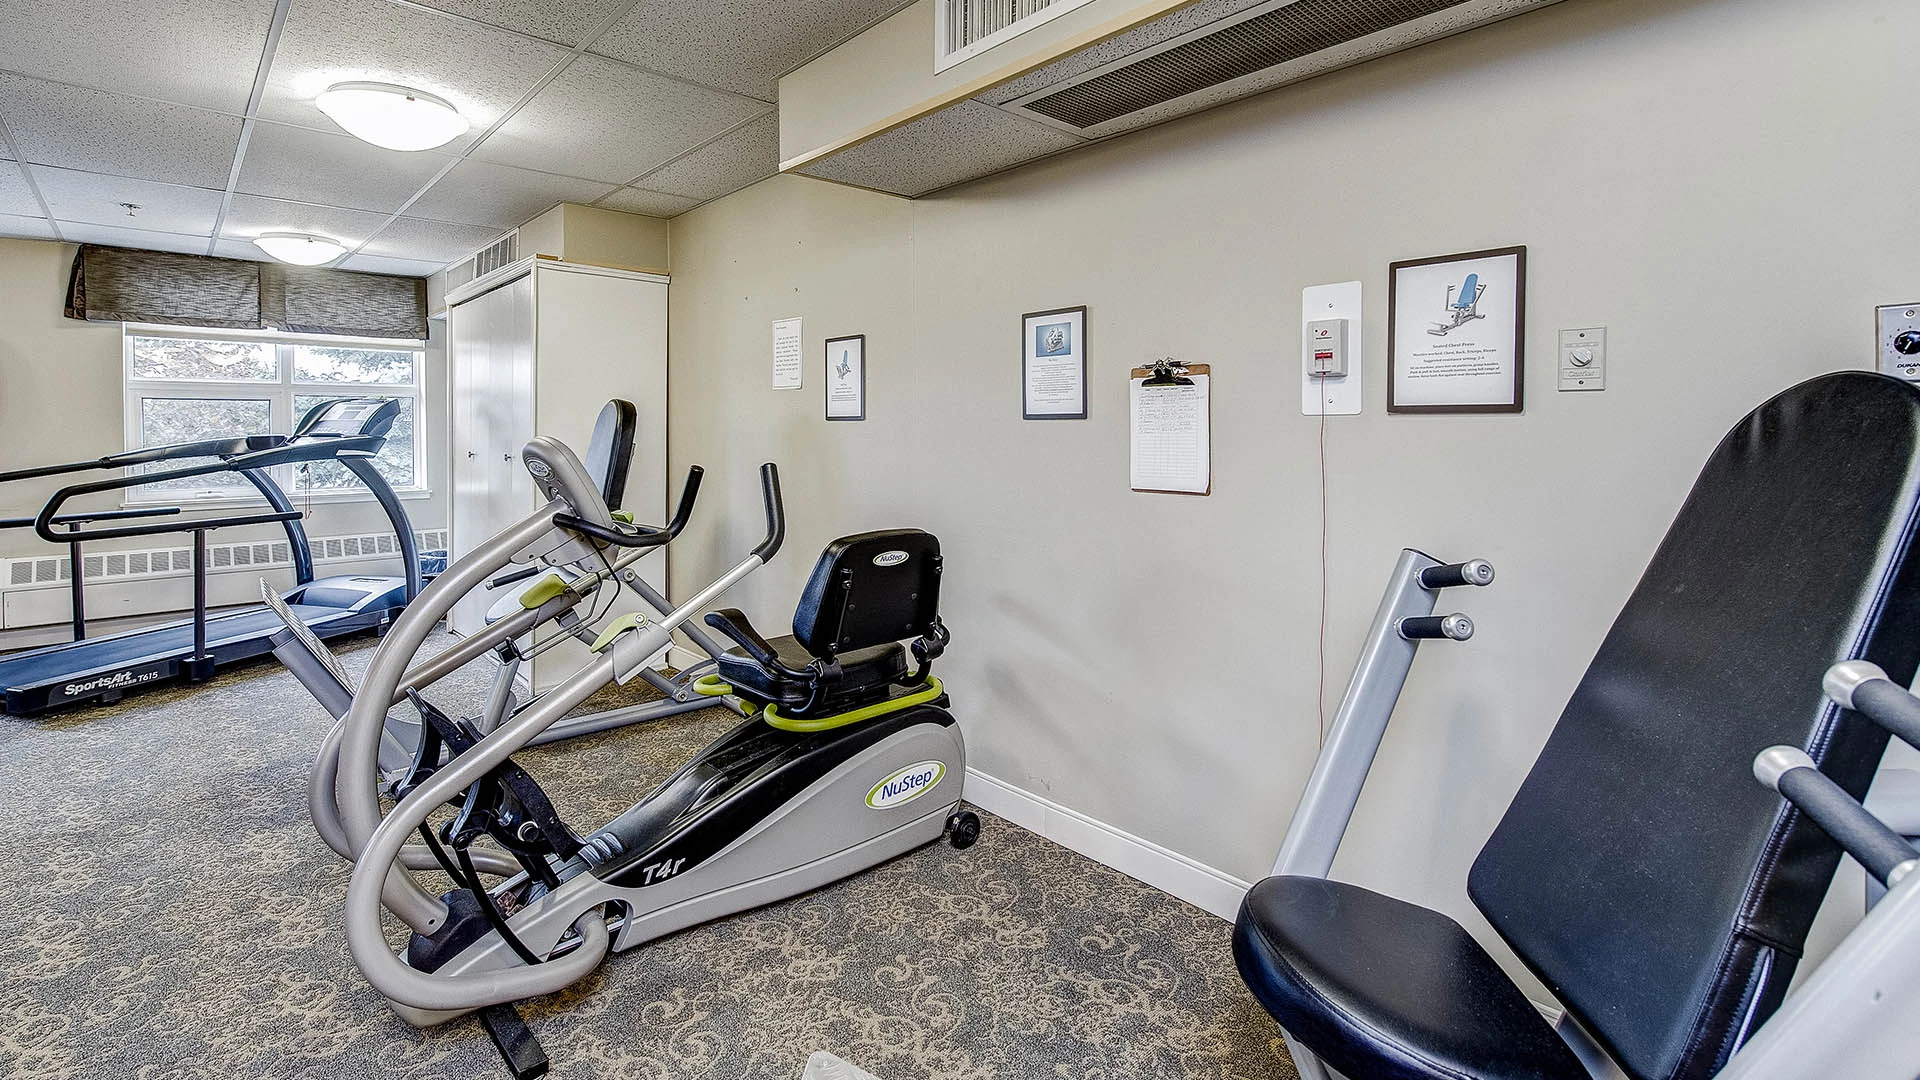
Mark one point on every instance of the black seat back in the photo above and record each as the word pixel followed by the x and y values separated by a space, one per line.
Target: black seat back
pixel 1641 873
pixel 610 451
pixel 870 589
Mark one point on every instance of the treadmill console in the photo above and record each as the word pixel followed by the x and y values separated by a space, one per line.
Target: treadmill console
pixel 348 417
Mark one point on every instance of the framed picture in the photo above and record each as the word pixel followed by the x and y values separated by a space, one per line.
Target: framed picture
pixel 1456 327
pixel 847 377
pixel 1053 364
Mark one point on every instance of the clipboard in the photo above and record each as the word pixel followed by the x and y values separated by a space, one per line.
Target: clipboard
pixel 1171 441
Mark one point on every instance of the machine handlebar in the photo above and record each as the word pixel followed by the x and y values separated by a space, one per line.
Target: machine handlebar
pixel 640 536
pixel 1789 771
pixel 776 512
pixel 1862 686
pixel 1420 627
pixel 97 515
pixel 1471 572
pixel 171 452
pixel 49 514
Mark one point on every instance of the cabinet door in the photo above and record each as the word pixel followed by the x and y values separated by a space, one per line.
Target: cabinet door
pixel 512 400
pixel 467 363
pixel 486 340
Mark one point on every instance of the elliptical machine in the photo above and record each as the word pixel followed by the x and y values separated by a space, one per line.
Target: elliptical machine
pixel 831 779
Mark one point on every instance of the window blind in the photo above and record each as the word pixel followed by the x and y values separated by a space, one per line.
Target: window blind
pixel 124 285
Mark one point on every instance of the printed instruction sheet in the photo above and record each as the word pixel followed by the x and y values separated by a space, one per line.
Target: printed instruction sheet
pixel 1172 436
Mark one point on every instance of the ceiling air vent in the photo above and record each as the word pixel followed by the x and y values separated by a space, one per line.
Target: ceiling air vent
pixel 964 28
pixel 500 253
pixel 1268 35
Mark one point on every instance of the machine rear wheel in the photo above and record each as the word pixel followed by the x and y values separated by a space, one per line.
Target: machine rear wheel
pixel 963 829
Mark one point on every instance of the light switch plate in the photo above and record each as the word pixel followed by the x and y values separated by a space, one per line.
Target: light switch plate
pixel 1583 359
pixel 1336 396
pixel 1899 325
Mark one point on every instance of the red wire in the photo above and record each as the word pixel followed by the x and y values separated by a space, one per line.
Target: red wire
pixel 1321 697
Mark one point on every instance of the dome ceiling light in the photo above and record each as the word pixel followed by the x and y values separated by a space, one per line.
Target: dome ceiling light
pixel 300 249
pixel 395 117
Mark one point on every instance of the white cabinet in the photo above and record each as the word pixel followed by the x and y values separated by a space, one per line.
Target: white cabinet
pixel 538 348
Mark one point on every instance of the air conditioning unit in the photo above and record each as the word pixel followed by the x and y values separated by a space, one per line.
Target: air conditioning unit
pixel 1246 52
pixel 1194 57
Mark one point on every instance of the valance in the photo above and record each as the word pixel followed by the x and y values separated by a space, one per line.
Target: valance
pixel 124 285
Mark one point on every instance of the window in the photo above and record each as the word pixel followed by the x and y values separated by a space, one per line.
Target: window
pixel 185 385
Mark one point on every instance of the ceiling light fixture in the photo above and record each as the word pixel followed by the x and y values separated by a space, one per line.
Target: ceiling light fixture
pixel 395 117
pixel 300 249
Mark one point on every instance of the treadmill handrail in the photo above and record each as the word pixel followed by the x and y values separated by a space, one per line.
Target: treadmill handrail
pixel 245 444
pixel 94 515
pixel 43 523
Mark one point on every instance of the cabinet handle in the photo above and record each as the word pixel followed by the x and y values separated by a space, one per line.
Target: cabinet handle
pixel 471 454
pixel 507 458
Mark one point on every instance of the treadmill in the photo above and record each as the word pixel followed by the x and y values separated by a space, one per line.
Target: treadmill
pixel 104 669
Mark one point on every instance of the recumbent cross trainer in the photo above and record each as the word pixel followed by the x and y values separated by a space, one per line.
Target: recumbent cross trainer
pixel 867 765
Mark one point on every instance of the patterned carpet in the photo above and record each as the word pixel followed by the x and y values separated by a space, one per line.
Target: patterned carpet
pixel 168 913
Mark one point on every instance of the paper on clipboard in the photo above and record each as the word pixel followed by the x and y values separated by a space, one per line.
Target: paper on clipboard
pixel 1172 433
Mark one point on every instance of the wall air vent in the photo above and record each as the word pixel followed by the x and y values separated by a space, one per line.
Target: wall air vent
pixel 496 255
pixel 964 28
pixel 1263 37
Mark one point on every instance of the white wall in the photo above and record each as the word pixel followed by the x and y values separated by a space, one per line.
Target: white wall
pixel 61 398
pixel 1724 184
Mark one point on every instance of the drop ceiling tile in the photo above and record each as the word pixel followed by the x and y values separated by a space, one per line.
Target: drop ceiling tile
pixel 6 151
pixel 95 198
pixel 82 233
pixel 249 216
pixel 239 249
pixel 651 203
pixel 16 196
pixel 723 166
pixel 29 228
pixel 122 136
pixel 480 70
pixel 738 45
pixel 332 170
pixel 568 22
pixel 438 242
pixel 960 143
pixel 375 264
pixel 486 194
pixel 194 52
pixel 607 121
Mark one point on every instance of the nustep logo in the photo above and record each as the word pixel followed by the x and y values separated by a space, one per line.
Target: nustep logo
pixel 890 558
pixel 906 785
pixel 116 681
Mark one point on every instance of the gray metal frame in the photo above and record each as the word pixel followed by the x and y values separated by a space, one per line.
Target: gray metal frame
pixel 1333 789
pixel 1852 1017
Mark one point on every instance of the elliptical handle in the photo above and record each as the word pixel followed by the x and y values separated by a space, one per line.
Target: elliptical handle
pixel 776 512
pixel 688 493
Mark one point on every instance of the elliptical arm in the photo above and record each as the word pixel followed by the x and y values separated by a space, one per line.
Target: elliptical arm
pixel 776 512
pixel 641 536
pixel 378 875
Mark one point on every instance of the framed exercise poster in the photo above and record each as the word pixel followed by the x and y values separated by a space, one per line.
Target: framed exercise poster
pixel 847 378
pixel 1053 364
pixel 1456 325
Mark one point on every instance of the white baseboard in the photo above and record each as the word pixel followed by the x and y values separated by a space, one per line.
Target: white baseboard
pixel 1169 871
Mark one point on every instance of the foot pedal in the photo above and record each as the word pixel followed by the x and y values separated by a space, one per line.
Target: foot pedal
pixel 524 1056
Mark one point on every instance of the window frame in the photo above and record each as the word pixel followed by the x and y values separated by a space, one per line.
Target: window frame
pixel 280 393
